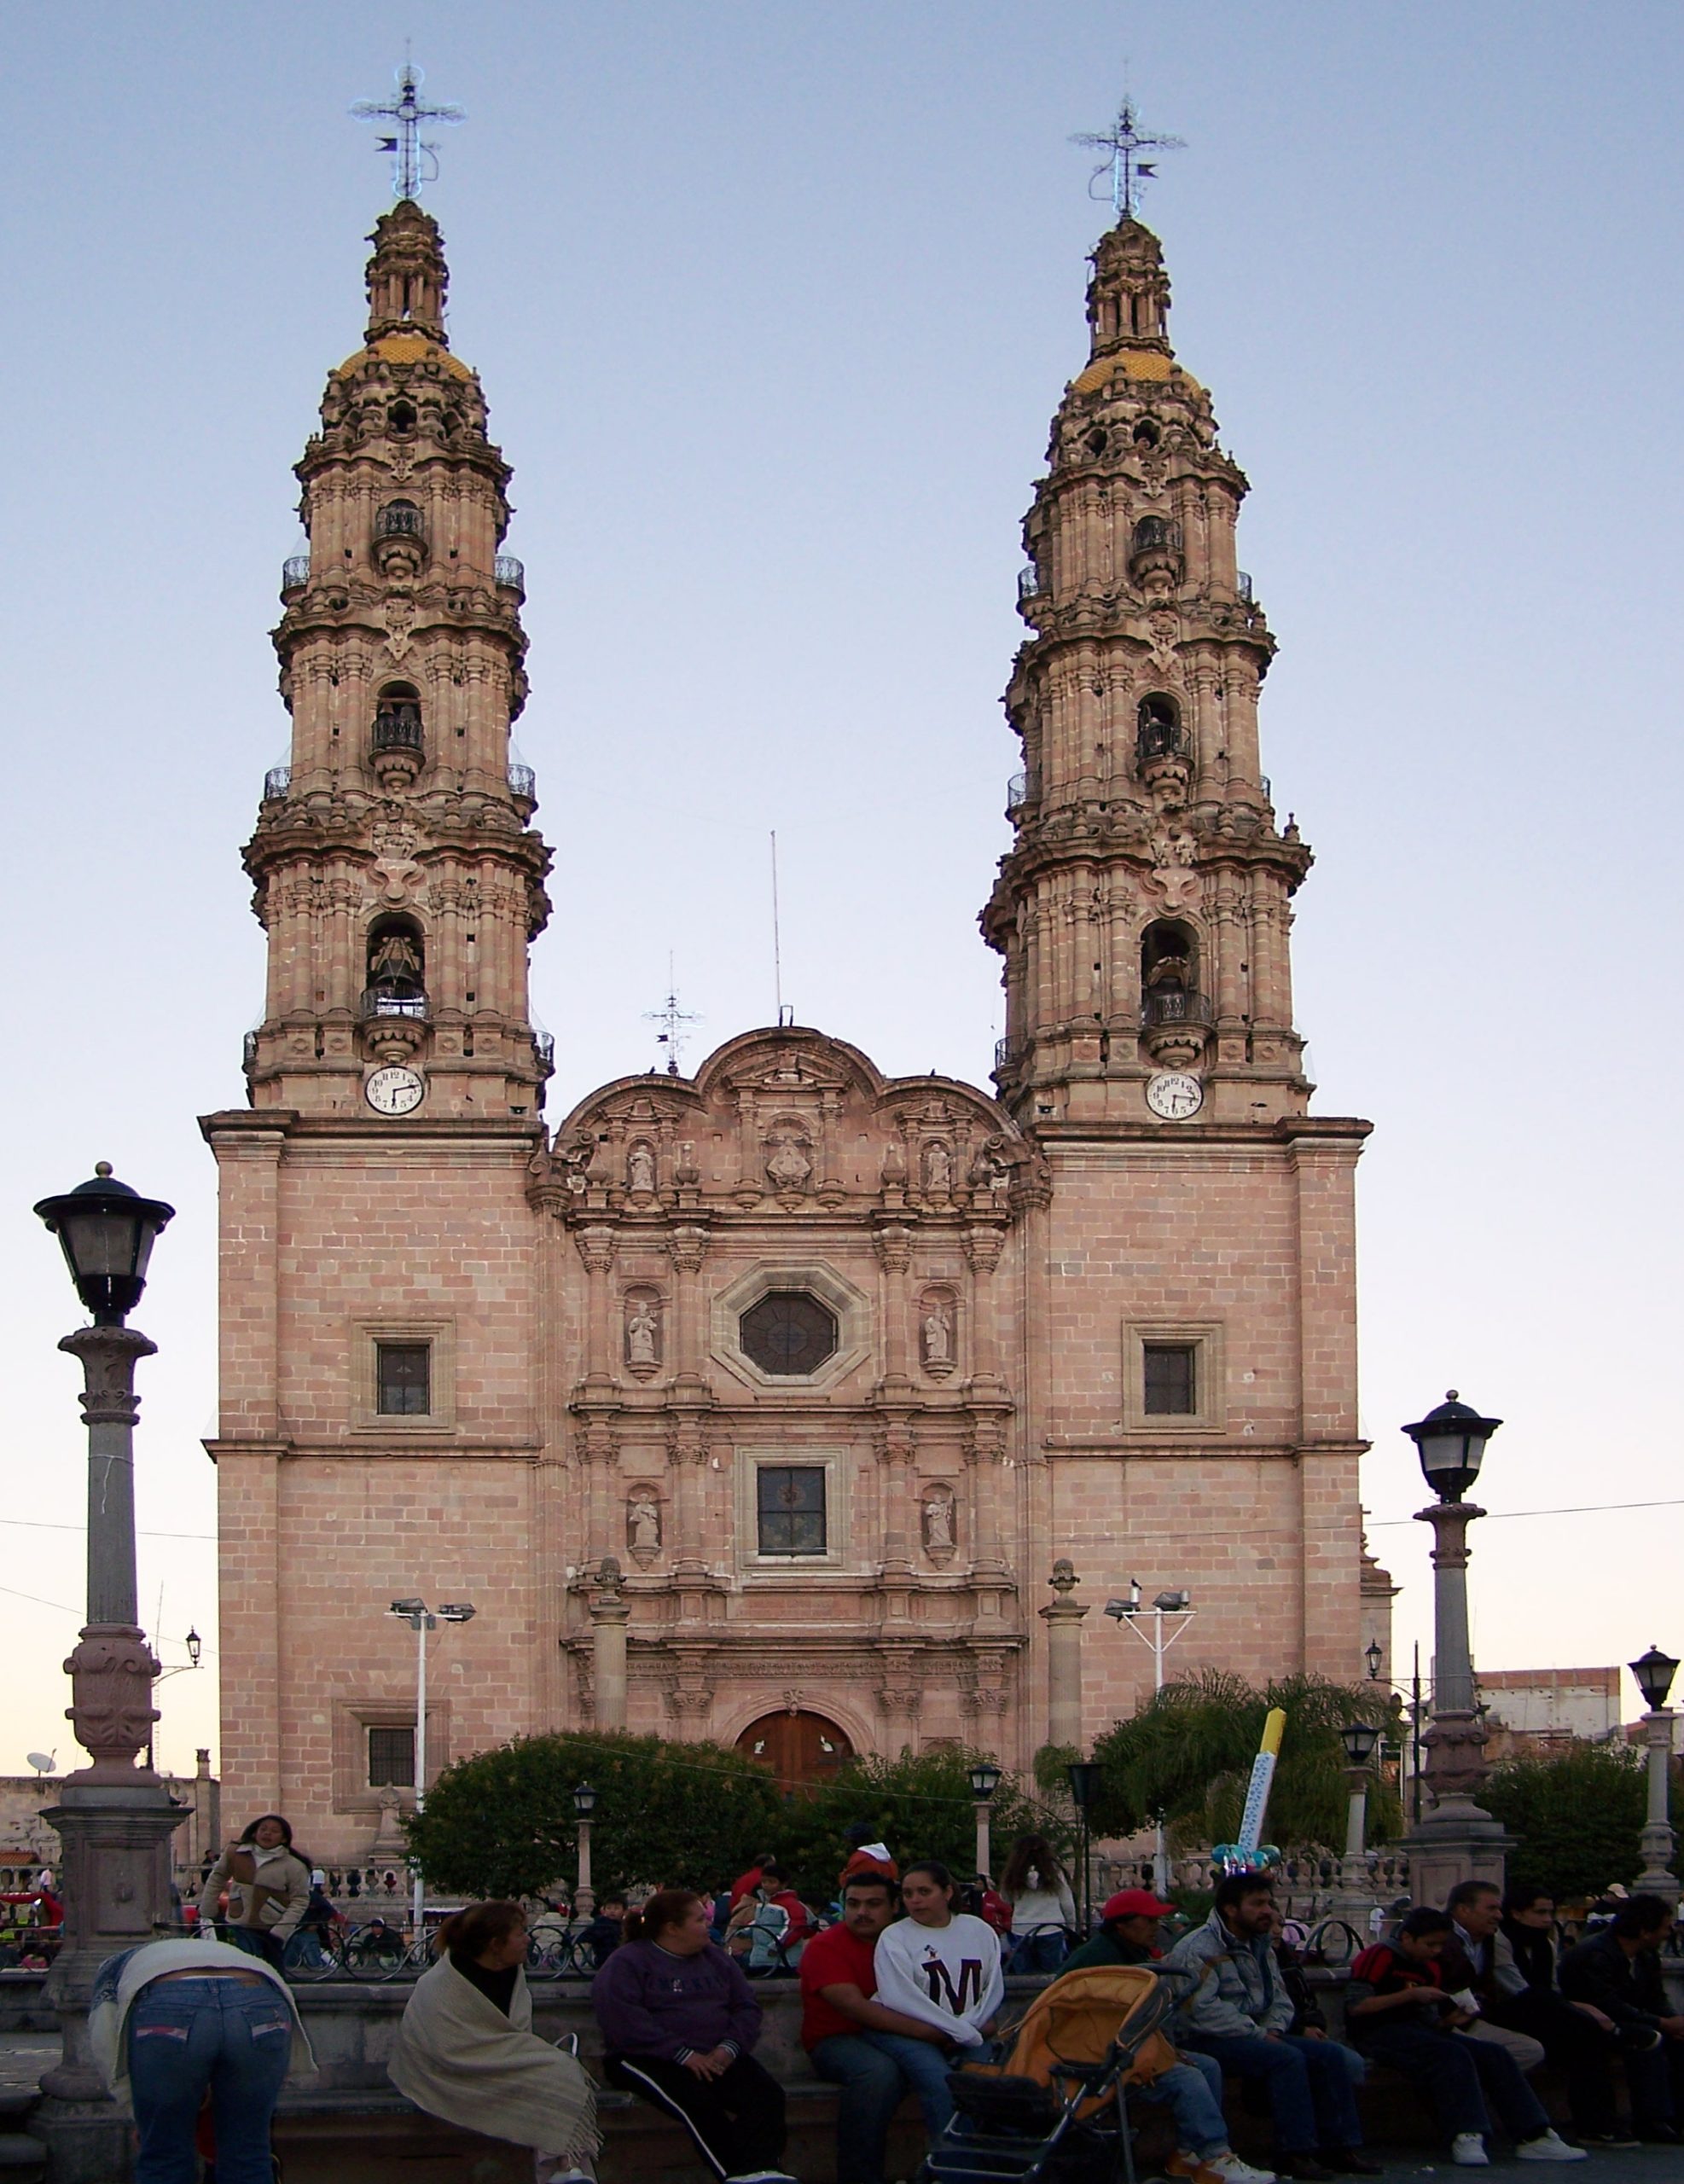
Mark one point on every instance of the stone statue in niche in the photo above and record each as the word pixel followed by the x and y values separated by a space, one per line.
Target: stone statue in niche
pixel 642 1333
pixel 937 1169
pixel 640 1168
pixel 643 1526
pixel 789 1164
pixel 938 1521
pixel 937 1332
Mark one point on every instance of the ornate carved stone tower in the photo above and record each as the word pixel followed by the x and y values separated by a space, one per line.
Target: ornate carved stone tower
pixel 1144 911
pixel 396 869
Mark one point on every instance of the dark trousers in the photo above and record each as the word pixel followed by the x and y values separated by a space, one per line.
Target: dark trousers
pixel 735 2119
pixel 1309 2083
pixel 1464 2081
pixel 1655 2078
pixel 1576 2044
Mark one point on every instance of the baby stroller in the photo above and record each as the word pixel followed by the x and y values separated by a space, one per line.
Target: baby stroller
pixel 1055 2111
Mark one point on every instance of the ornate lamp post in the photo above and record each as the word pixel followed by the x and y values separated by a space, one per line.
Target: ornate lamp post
pixel 1359 1739
pixel 1654 1673
pixel 984 1781
pixel 1456 1840
pixel 584 1804
pixel 1084 1787
pixel 114 1817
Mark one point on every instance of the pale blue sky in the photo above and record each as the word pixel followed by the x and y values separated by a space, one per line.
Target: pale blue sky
pixel 773 304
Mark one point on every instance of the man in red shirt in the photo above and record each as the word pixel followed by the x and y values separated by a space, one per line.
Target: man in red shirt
pixel 876 2055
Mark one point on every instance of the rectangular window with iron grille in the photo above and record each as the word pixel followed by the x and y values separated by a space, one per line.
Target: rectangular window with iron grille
pixel 404 1379
pixel 1169 1376
pixel 391 1758
pixel 791 1509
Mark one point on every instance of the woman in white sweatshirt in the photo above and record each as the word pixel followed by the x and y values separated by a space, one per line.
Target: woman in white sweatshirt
pixel 1043 1910
pixel 942 1965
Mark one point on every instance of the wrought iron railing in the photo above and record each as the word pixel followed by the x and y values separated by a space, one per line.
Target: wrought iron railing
pixel 510 573
pixel 381 1001
pixel 1175 1005
pixel 1029 583
pixel 1242 585
pixel 1156 534
pixel 1004 1053
pixel 543 1046
pixel 397 731
pixel 1160 738
pixel 522 781
pixel 400 520
pixel 294 571
pixel 1021 791
pixel 1267 787
pixel 249 1051
pixel 277 782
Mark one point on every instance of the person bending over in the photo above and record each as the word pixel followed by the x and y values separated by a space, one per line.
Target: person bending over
pixel 678 2019
pixel 1238 2012
pixel 1617 1969
pixel 1399 2013
pixel 466 2051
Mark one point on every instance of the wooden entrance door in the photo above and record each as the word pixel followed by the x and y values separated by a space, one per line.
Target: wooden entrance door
pixel 801 1750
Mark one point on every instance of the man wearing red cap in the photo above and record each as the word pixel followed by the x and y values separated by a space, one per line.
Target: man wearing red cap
pixel 1192 2090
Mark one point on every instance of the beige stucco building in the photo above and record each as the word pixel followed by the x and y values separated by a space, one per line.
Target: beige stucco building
pixel 776 1404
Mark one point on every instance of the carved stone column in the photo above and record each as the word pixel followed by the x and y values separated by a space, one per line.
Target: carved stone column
pixel 983 1246
pixel 893 1242
pixel 897 1445
pixel 686 1247
pixel 596 1248
pixel 1063 1618
pixel 687 1455
pixel 609 1615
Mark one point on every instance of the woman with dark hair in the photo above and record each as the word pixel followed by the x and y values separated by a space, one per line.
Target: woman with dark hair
pixel 267 1885
pixel 1043 1910
pixel 941 1965
pixel 678 2019
pixel 466 2051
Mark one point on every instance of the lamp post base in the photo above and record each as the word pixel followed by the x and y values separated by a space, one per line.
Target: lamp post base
pixel 1453 1841
pixel 115 1868
pixel 1658 1845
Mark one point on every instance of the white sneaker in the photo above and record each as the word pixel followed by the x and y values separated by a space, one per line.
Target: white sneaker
pixel 1230 2165
pixel 1467 2151
pixel 1549 2147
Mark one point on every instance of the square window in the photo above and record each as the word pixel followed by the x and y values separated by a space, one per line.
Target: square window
pixel 404 1379
pixel 1169 1379
pixel 391 1758
pixel 791 1507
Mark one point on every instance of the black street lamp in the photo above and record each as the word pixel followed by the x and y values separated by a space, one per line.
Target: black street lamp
pixel 1654 1671
pixel 1374 1658
pixel 584 1804
pixel 1359 1739
pixel 106 1232
pixel 984 1781
pixel 1450 1442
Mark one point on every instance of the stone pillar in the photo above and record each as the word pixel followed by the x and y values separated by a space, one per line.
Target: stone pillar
pixel 609 1615
pixel 1456 1839
pixel 596 1249
pixel 1659 1840
pixel 894 1253
pixel 1063 1618
pixel 687 1248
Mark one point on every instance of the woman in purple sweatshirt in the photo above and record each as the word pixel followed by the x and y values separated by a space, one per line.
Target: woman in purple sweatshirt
pixel 678 2019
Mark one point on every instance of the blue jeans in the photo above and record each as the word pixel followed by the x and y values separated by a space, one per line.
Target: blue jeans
pixel 873 2085
pixel 925 2068
pixel 263 1945
pixel 1192 2092
pixel 1311 2092
pixel 186 2035
pixel 1042 1952
pixel 1462 2081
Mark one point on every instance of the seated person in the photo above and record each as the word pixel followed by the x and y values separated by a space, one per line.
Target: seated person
pixel 466 2048
pixel 604 1933
pixel 1617 1970
pixel 876 2055
pixel 1580 2039
pixel 679 2019
pixel 1130 1934
pixel 1469 1967
pixel 1399 2013
pixel 941 1965
pixel 1240 2013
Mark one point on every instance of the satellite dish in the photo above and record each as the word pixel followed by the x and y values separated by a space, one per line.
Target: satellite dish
pixel 43 1761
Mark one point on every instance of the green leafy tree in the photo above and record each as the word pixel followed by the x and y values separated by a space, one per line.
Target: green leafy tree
pixel 1578 1815
pixel 1188 1754
pixel 691 1816
pixel 921 1804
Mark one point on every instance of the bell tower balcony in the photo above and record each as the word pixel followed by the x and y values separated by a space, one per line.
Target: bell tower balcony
pixel 400 540
pixel 396 747
pixel 394 1020
pixel 1174 1023
pixel 1156 561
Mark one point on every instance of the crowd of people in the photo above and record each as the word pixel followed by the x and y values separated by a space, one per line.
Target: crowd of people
pixel 906 1985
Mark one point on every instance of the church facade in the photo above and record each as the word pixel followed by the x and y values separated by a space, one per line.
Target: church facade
pixel 788 1404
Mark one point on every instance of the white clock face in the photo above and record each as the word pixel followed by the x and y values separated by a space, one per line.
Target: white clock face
pixel 1174 1095
pixel 394 1091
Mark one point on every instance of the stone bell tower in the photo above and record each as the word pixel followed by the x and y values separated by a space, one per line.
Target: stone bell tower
pixel 396 869
pixel 1143 912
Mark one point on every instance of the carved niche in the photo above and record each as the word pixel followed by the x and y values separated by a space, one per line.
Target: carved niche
pixel 789 1156
pixel 938 1169
pixel 643 1526
pixel 644 1332
pixel 939 1521
pixel 937 1333
pixel 640 1168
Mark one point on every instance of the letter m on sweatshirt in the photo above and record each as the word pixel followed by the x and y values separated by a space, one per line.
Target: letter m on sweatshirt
pixel 960 1996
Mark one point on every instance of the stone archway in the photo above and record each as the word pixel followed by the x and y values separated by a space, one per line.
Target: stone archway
pixel 801 1750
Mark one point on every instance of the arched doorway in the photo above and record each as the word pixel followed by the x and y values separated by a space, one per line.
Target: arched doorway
pixel 802 1750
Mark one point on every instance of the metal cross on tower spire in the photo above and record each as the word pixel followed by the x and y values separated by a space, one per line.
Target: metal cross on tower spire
pixel 673 1021
pixel 1122 144
pixel 413 161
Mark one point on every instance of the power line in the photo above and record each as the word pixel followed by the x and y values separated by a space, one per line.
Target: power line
pixel 1580 1510
pixel 36 1601
pixel 41 1525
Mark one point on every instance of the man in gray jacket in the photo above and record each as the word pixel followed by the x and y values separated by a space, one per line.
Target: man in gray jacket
pixel 1240 2013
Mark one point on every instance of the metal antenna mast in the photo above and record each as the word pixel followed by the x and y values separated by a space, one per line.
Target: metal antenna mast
pixel 673 1019
pixel 414 162
pixel 1122 144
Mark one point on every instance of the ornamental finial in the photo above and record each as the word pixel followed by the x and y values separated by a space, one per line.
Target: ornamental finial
pixel 414 163
pixel 1122 170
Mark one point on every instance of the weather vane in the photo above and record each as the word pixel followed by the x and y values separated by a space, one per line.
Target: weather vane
pixel 673 1021
pixel 414 162
pixel 1122 144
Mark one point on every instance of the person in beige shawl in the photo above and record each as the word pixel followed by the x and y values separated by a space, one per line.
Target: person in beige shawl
pixel 466 2051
